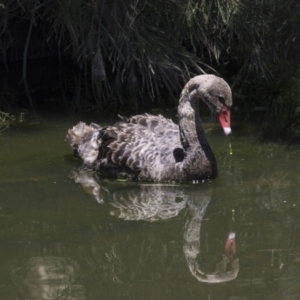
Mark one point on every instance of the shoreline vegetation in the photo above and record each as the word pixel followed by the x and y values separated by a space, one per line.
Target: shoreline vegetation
pixel 99 56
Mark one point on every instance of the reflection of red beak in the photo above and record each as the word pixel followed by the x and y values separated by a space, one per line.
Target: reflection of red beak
pixel 224 118
pixel 230 246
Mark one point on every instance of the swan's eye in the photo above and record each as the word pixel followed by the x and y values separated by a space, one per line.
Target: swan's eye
pixel 221 99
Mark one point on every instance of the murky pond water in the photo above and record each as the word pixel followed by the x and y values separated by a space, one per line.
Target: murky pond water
pixel 65 234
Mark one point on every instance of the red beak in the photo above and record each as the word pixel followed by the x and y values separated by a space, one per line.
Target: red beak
pixel 224 118
pixel 230 246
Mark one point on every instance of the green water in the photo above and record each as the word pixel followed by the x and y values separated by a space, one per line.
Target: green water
pixel 67 235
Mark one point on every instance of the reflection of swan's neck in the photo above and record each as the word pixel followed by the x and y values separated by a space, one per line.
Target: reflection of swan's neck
pixel 192 248
pixel 197 150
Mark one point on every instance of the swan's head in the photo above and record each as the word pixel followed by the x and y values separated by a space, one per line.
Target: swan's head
pixel 216 93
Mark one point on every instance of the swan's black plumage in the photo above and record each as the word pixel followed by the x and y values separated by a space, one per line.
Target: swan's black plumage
pixel 148 147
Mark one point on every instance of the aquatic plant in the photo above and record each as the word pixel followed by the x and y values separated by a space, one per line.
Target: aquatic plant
pixel 137 53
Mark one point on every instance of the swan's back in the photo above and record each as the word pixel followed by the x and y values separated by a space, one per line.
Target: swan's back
pixel 131 148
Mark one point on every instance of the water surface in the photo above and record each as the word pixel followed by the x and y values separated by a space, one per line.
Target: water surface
pixel 65 234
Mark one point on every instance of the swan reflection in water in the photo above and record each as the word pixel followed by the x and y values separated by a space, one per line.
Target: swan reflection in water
pixel 152 202
pixel 61 277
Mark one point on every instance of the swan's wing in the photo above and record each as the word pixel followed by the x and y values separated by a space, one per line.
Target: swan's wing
pixel 138 143
pixel 129 147
pixel 159 125
pixel 164 131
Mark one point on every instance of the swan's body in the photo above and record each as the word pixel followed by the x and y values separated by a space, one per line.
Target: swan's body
pixel 147 147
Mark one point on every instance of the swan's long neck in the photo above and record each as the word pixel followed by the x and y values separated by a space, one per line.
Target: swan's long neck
pixel 199 159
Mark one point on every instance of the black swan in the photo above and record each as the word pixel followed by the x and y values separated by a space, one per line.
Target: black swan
pixel 153 148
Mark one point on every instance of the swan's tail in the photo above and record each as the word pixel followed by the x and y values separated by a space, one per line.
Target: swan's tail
pixel 84 140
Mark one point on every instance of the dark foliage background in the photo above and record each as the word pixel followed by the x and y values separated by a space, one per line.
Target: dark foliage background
pixel 112 54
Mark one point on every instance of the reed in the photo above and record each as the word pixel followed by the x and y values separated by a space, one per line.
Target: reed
pixel 131 52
